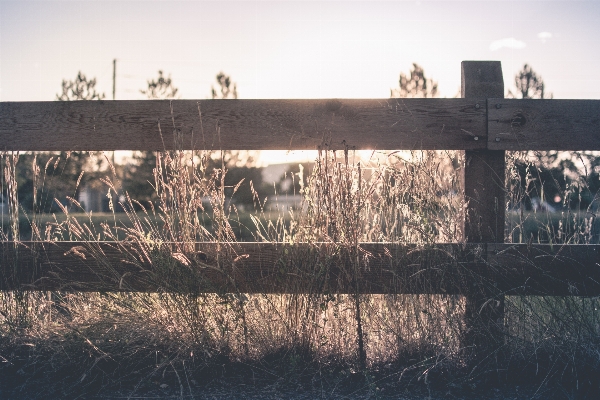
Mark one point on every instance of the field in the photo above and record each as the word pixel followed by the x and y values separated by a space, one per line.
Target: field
pixel 242 223
pixel 543 226
pixel 312 344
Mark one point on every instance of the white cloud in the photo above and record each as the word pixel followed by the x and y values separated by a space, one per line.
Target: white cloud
pixel 544 36
pixel 511 43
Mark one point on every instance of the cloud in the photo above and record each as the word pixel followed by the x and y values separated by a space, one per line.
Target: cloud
pixel 511 43
pixel 544 36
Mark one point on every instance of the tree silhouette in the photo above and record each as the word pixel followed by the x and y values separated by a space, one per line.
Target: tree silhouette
pixel 65 171
pixel 226 90
pixel 79 89
pixel 552 176
pixel 161 88
pixel 237 163
pixel 138 177
pixel 529 85
pixel 417 86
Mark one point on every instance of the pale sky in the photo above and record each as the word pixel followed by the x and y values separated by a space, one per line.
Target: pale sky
pixel 291 49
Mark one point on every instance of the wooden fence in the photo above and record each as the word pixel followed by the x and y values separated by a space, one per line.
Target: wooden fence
pixel 482 123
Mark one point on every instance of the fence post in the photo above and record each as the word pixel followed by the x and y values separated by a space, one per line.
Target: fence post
pixel 484 179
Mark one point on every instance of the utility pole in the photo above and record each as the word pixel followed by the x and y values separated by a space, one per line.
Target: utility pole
pixel 114 78
pixel 114 96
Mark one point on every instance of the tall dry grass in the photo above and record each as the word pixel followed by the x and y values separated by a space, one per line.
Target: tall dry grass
pixel 184 331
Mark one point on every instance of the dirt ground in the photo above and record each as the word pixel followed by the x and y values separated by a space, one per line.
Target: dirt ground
pixel 66 371
pixel 241 388
pixel 222 390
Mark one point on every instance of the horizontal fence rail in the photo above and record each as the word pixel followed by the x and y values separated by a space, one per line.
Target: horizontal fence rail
pixel 513 269
pixel 243 124
pixel 384 124
pixel 543 124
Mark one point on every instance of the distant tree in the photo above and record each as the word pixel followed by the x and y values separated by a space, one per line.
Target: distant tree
pixel 553 177
pixel 540 175
pixel 238 163
pixel 226 90
pixel 79 89
pixel 415 86
pixel 47 176
pixel 161 88
pixel 138 177
pixel 529 85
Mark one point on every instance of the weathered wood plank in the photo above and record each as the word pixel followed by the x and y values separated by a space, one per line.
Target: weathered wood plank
pixel 243 124
pixel 485 172
pixel 543 124
pixel 546 270
pixel 243 267
pixel 568 270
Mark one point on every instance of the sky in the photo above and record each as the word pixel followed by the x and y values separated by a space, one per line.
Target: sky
pixel 292 49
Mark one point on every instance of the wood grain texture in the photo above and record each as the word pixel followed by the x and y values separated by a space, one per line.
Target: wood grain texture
pixel 484 195
pixel 543 124
pixel 485 172
pixel 243 124
pixel 302 124
pixel 484 169
pixel 481 79
pixel 569 270
pixel 547 270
